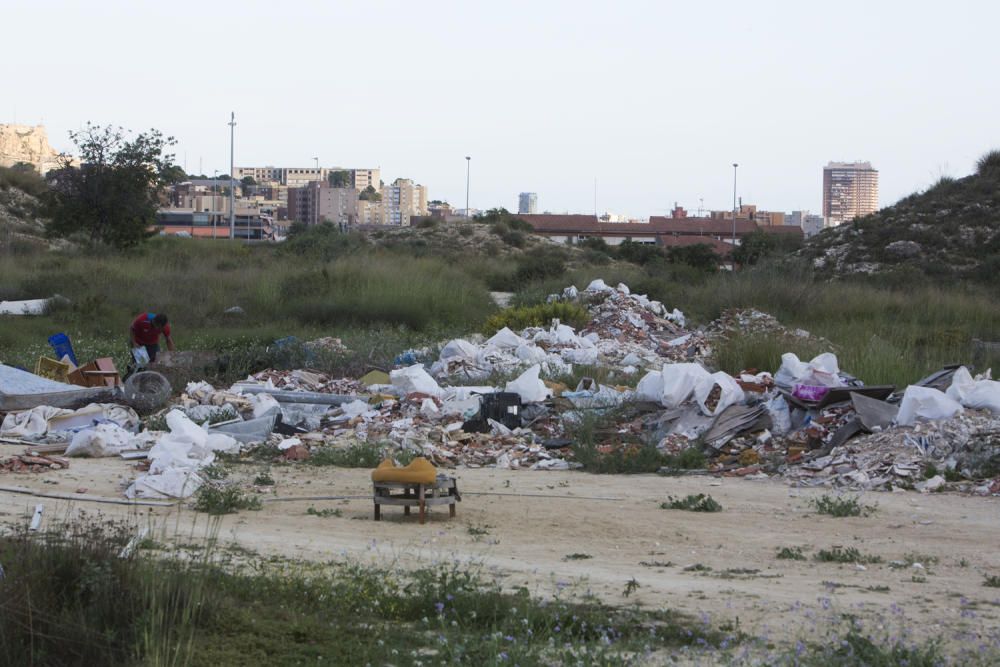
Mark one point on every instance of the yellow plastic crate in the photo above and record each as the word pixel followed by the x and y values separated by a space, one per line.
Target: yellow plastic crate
pixel 52 369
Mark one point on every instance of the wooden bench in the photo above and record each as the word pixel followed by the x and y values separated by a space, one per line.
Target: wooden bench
pixel 444 491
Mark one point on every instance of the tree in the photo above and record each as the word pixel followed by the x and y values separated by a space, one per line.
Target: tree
pixel 369 194
pixel 173 175
pixel 113 196
pixel 753 247
pixel 699 255
pixel 247 181
pixel 340 179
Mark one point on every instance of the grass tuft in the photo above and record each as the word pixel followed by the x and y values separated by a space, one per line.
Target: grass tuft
pixel 224 499
pixel 843 506
pixel 692 503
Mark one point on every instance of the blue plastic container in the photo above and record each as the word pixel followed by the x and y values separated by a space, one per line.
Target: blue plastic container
pixel 62 347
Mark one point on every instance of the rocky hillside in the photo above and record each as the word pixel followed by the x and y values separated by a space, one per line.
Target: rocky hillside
pixel 950 231
pixel 19 219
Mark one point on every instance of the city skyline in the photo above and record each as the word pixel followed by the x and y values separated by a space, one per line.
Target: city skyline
pixel 653 101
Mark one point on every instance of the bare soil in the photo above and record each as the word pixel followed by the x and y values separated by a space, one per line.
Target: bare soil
pixel 524 524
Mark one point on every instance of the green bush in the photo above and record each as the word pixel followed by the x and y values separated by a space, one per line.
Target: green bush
pixel 692 503
pixel 841 507
pixel 519 318
pixel 224 499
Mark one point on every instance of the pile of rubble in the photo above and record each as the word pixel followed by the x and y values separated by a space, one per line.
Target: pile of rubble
pixel 496 402
pixel 33 463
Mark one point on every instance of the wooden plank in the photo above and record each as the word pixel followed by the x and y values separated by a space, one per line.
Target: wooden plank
pixel 410 502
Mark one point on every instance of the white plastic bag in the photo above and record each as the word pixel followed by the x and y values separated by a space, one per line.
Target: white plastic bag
pixel 459 350
pixel 650 387
pixel 505 338
pixel 529 387
pixel 414 379
pixel 975 394
pixel 821 371
pixel 925 403
pixel 679 381
pixel 102 440
pixel 732 392
pixel 781 415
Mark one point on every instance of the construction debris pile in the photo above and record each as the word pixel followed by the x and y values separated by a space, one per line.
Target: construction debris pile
pixel 517 400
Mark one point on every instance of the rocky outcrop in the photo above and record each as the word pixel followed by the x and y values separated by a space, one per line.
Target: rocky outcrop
pixel 27 143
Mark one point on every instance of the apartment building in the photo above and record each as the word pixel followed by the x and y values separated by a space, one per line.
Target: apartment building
pixel 402 200
pixel 751 212
pixel 850 190
pixel 297 177
pixel 527 203
pixel 317 202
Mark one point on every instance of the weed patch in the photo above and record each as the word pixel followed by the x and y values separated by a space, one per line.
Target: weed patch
pixel 692 503
pixel 224 499
pixel 362 455
pixel 842 506
pixel 845 555
pixel 790 553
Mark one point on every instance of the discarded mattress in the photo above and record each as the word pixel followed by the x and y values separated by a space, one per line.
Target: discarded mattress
pixel 21 390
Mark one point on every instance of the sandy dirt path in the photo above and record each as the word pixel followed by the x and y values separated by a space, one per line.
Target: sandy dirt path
pixel 536 519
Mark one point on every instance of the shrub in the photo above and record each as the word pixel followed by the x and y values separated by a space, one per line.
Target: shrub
pixel 989 164
pixel 691 458
pixel 362 455
pixel 540 315
pixel 790 553
pixel 224 499
pixel 692 503
pixel 842 507
pixel 845 555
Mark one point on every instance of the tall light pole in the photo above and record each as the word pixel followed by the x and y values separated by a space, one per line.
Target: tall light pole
pixel 215 205
pixel 317 163
pixel 232 190
pixel 734 215
pixel 468 172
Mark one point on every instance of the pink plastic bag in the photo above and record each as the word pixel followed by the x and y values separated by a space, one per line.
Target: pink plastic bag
pixel 809 392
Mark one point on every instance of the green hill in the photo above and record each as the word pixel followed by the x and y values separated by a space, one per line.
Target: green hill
pixel 951 231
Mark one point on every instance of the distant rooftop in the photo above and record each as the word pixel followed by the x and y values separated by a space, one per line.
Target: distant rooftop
pixel 867 166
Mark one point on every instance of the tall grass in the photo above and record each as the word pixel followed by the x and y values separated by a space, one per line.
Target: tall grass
pixel 195 282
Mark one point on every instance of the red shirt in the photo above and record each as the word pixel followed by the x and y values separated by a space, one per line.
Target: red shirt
pixel 145 332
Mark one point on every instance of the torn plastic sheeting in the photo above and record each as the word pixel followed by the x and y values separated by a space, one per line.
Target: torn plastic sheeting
pixel 413 379
pixel 982 394
pixel 926 403
pixel 529 387
pixel 731 392
pixel 45 419
pixel 459 349
pixel 505 338
pixel 170 484
pixel 21 390
pixel 26 307
pixel 358 409
pixel 605 397
pixel 598 285
pixel 679 381
pixel 247 431
pixel 285 396
pixel 821 370
pixel 100 441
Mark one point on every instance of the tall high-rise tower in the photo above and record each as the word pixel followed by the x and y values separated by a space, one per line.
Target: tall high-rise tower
pixel 527 203
pixel 850 190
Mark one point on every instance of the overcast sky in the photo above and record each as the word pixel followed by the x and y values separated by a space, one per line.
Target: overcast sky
pixel 655 100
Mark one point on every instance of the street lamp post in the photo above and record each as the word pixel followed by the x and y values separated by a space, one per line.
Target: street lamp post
pixel 317 163
pixel 734 214
pixel 468 171
pixel 232 190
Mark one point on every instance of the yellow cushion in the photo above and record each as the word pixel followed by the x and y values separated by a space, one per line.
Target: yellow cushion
pixel 419 471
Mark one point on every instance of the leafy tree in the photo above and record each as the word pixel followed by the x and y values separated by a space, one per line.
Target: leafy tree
pixel 369 194
pixel 638 253
pixel 113 196
pixel 173 174
pixel 247 181
pixel 500 215
pixel 340 179
pixel 699 255
pixel 754 246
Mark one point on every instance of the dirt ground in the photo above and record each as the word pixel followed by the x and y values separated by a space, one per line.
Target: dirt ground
pixel 524 524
